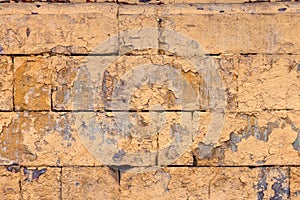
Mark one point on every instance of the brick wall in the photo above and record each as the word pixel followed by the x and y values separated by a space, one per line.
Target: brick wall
pixel 52 110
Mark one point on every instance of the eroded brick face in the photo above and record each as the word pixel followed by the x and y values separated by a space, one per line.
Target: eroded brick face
pixel 102 101
pixel 10 183
pixel 32 84
pixel 90 183
pixel 6 86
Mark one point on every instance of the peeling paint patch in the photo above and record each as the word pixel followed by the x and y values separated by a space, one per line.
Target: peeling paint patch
pixel 210 152
pixel 13 168
pixel 33 174
pixel 11 142
pixel 273 184
pixel 63 126
pixel 262 185
pixel 205 151
pixel 251 129
pixel 262 132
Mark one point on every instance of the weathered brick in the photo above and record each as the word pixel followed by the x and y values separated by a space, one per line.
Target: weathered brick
pixel 28 138
pixel 9 184
pixel 32 83
pixel 205 183
pixel 275 136
pixel 250 82
pixel 176 143
pixel 131 139
pixel 138 29
pixel 255 50
pixel 170 82
pixel 41 138
pixel 265 138
pixel 6 83
pixel 231 30
pixel 11 139
pixel 138 140
pixel 295 183
pixel 188 20
pixel 41 183
pixel 268 82
pixel 50 139
pixel 57 28
pixel 273 183
pixel 182 87
pixel 227 64
pixel 246 183
pixel 77 87
pixel 260 82
pixel 89 183
pixel 64 73
pixel 167 183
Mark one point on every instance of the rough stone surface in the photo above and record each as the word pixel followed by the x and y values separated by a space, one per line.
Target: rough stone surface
pixel 101 100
